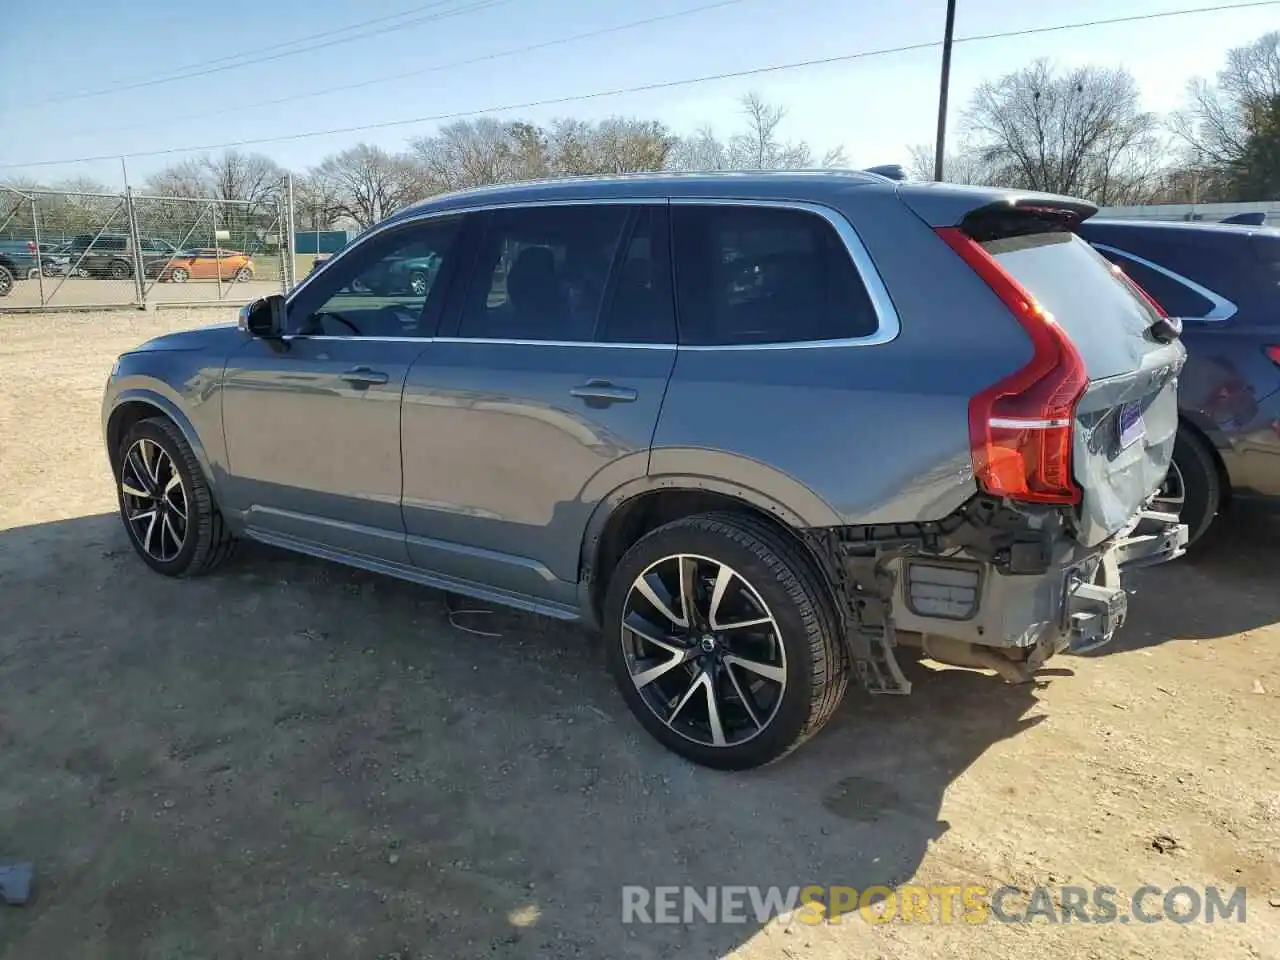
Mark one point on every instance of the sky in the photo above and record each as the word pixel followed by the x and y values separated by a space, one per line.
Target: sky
pixel 875 106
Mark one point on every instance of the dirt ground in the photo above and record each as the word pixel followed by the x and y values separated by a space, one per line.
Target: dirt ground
pixel 297 760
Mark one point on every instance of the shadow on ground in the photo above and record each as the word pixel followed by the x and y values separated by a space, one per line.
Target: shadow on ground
pixel 1180 600
pixel 304 760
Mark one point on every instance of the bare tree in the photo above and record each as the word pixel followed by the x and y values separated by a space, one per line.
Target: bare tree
pixel 468 153
pixel 232 175
pixel 472 153
pixel 315 202
pixel 963 166
pixel 1228 126
pixel 759 147
pixel 1081 132
pixel 367 184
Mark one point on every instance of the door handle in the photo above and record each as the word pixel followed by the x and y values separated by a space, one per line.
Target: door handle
pixel 363 376
pixel 599 392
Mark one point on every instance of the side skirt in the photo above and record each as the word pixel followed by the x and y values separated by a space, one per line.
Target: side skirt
pixel 417 575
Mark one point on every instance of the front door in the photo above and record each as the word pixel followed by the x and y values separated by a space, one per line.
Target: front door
pixel 542 397
pixel 312 422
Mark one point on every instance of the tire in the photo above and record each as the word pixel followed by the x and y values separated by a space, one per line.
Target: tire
pixel 119 270
pixel 6 281
pixel 418 283
pixel 206 542
pixel 1193 485
pixel 179 275
pixel 801 646
pixel 33 273
pixel 244 275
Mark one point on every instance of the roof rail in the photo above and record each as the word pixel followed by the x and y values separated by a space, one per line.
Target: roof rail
pixel 893 171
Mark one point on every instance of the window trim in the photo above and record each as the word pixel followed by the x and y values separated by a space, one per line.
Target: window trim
pixel 1222 308
pixel 888 323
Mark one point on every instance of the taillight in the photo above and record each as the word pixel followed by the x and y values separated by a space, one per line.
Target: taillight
pixel 1274 353
pixel 1020 429
pixel 31 247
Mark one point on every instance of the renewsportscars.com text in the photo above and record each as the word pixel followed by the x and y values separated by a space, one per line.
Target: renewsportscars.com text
pixel 940 904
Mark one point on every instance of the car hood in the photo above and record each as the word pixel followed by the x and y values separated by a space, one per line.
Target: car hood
pixel 223 335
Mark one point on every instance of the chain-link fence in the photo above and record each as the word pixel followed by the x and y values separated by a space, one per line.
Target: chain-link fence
pixel 60 250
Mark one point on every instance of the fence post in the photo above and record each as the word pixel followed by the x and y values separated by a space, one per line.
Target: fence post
pixel 35 228
pixel 287 235
pixel 139 280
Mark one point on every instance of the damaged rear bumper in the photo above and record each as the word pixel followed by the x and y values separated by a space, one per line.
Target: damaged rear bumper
pixel 1076 606
pixel 1096 609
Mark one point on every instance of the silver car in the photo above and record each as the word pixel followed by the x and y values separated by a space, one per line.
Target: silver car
pixel 766 432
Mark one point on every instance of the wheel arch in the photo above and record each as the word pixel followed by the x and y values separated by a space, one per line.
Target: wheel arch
pixel 135 405
pixel 635 508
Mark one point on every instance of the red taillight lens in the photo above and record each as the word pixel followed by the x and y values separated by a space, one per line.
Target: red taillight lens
pixel 1274 353
pixel 1020 429
pixel 31 247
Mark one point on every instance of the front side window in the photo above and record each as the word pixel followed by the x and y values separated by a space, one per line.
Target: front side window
pixel 542 272
pixel 380 288
pixel 758 274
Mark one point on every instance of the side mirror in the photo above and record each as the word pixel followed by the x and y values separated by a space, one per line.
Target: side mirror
pixel 264 317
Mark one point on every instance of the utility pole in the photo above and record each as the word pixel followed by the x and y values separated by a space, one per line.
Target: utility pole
pixel 941 140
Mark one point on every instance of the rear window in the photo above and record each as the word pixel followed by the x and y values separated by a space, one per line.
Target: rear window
pixel 1076 284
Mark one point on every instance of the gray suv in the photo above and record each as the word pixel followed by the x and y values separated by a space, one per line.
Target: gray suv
pixel 763 431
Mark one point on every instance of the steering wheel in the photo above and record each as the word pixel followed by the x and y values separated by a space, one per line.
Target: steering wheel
pixel 340 318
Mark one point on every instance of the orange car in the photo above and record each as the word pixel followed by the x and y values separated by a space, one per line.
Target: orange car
pixel 206 263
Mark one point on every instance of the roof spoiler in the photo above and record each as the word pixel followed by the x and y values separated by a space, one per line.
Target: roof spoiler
pixel 1254 219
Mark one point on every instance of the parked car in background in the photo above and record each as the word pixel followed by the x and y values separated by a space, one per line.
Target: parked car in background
pixel 18 261
pixel 764 430
pixel 202 263
pixel 111 255
pixel 1223 283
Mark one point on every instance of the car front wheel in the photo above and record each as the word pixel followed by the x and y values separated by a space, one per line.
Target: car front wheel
pixel 165 502
pixel 723 641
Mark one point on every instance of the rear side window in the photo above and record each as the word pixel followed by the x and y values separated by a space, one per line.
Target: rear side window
pixel 757 274
pixel 1075 283
pixel 1177 298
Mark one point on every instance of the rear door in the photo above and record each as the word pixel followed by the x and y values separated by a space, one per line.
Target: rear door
pixel 1128 417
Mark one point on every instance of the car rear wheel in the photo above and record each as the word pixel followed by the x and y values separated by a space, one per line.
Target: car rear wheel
pixel 165 503
pixel 1192 489
pixel 119 270
pixel 179 275
pixel 6 281
pixel 244 275
pixel 418 283
pixel 723 641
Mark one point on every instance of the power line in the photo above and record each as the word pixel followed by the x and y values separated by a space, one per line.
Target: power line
pixel 435 68
pixel 474 7
pixel 648 87
pixel 272 48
